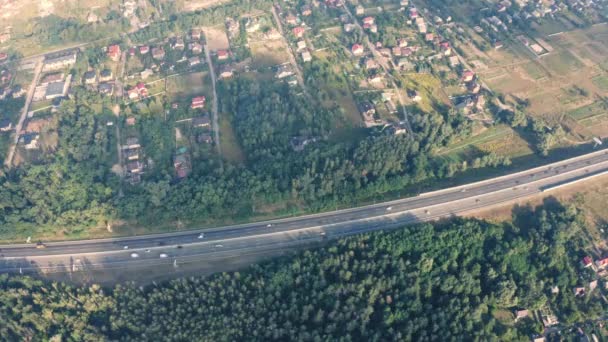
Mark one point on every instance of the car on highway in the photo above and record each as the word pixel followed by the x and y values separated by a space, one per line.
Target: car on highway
pixel 125 247
pixel 148 250
pixel 269 225
pixel 219 246
pixel 40 245
pixel 163 255
pixel 201 235
pixel 389 208
pixel 134 255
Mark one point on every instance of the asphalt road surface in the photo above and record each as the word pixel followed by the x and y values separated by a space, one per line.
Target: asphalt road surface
pixel 232 241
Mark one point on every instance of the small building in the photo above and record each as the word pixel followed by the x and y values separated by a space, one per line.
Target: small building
pixel 284 71
pixel 402 42
pixel 132 51
pixel 90 77
pixel 146 73
pixel 181 163
pixel 134 167
pixel 370 64
pixel 579 291
pixel 367 109
pixel 446 48
pixel 132 154
pixel 130 121
pixel 357 49
pixel 198 102
pixel 291 19
pixel 114 52
pixel 454 61
pixel 390 106
pixel 359 10
pixel 51 78
pixel 144 49
pixel 201 121
pixel 301 45
pixel 131 143
pixel 306 10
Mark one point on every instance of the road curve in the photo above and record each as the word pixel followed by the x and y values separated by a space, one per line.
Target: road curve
pixel 284 233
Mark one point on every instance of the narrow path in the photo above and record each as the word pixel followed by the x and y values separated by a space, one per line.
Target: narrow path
pixel 30 94
pixel 214 108
pixel 292 57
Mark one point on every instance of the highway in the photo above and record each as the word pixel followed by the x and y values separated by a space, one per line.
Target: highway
pixel 233 241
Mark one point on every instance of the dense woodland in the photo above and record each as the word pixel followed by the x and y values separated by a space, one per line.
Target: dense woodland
pixel 456 281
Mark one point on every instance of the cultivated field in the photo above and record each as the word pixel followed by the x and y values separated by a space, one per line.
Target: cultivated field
pixel 216 38
pixel 268 53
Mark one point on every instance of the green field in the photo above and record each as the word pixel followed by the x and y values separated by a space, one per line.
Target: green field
pixel 562 62
pixel 231 149
pixel 588 111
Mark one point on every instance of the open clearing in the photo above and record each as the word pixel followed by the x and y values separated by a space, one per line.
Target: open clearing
pixel 231 149
pixel 189 84
pixel 268 53
pixel 216 38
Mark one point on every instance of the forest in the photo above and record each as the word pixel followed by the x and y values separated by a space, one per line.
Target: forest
pixel 459 280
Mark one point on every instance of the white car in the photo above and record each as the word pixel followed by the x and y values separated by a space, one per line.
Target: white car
pixel 269 225
pixel 389 208
pixel 125 247
pixel 201 236
pixel 148 251
pixel 134 255
pixel 163 255
pixel 219 246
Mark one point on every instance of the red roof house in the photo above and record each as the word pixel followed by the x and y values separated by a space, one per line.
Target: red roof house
pixel 357 49
pixel 144 49
pixel 198 102
pixel 468 75
pixel 587 261
pixel 298 31
pixel 368 20
pixel 222 55
pixel 602 263
pixel 114 52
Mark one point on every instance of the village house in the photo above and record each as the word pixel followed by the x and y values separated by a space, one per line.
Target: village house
pixel 390 106
pixel 222 55
pixel 130 121
pixel 359 10
pixel 134 167
pixel 204 138
pixel 401 42
pixel 368 20
pixel 519 314
pixel 132 51
pixel 51 78
pixel 182 166
pixel 602 263
pixel 29 141
pixel 399 128
pixel 59 61
pixel 473 87
pixel 195 34
pixel 201 121
pixel 144 49
pixel 196 48
pixel 298 31
pixel 357 49
pixel 413 13
pixel 106 89
pixel 178 44
pixel 158 53
pixel 198 102
pixel 446 48
pixel 301 45
pixel 348 27
pixel 131 143
pixel 105 75
pixel 226 71
pixel 367 110
pixel 579 291
pixel 284 71
pixel 429 37
pixel 370 64
pixel 193 61
pixel 114 52
pixel 90 77
pixel 414 95
pixel 587 261
pixel 138 91
pixel 6 125
pixel 468 76
pixel 291 19
pixel 306 56
pixel 58 89
pixel 453 61
pixel 132 154
pixel 306 10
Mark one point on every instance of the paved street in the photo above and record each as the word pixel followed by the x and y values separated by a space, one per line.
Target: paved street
pixel 236 240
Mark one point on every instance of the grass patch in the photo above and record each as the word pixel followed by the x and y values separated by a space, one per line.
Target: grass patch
pixel 601 82
pixel 231 149
pixel 563 62
pixel 588 111
pixel 188 85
